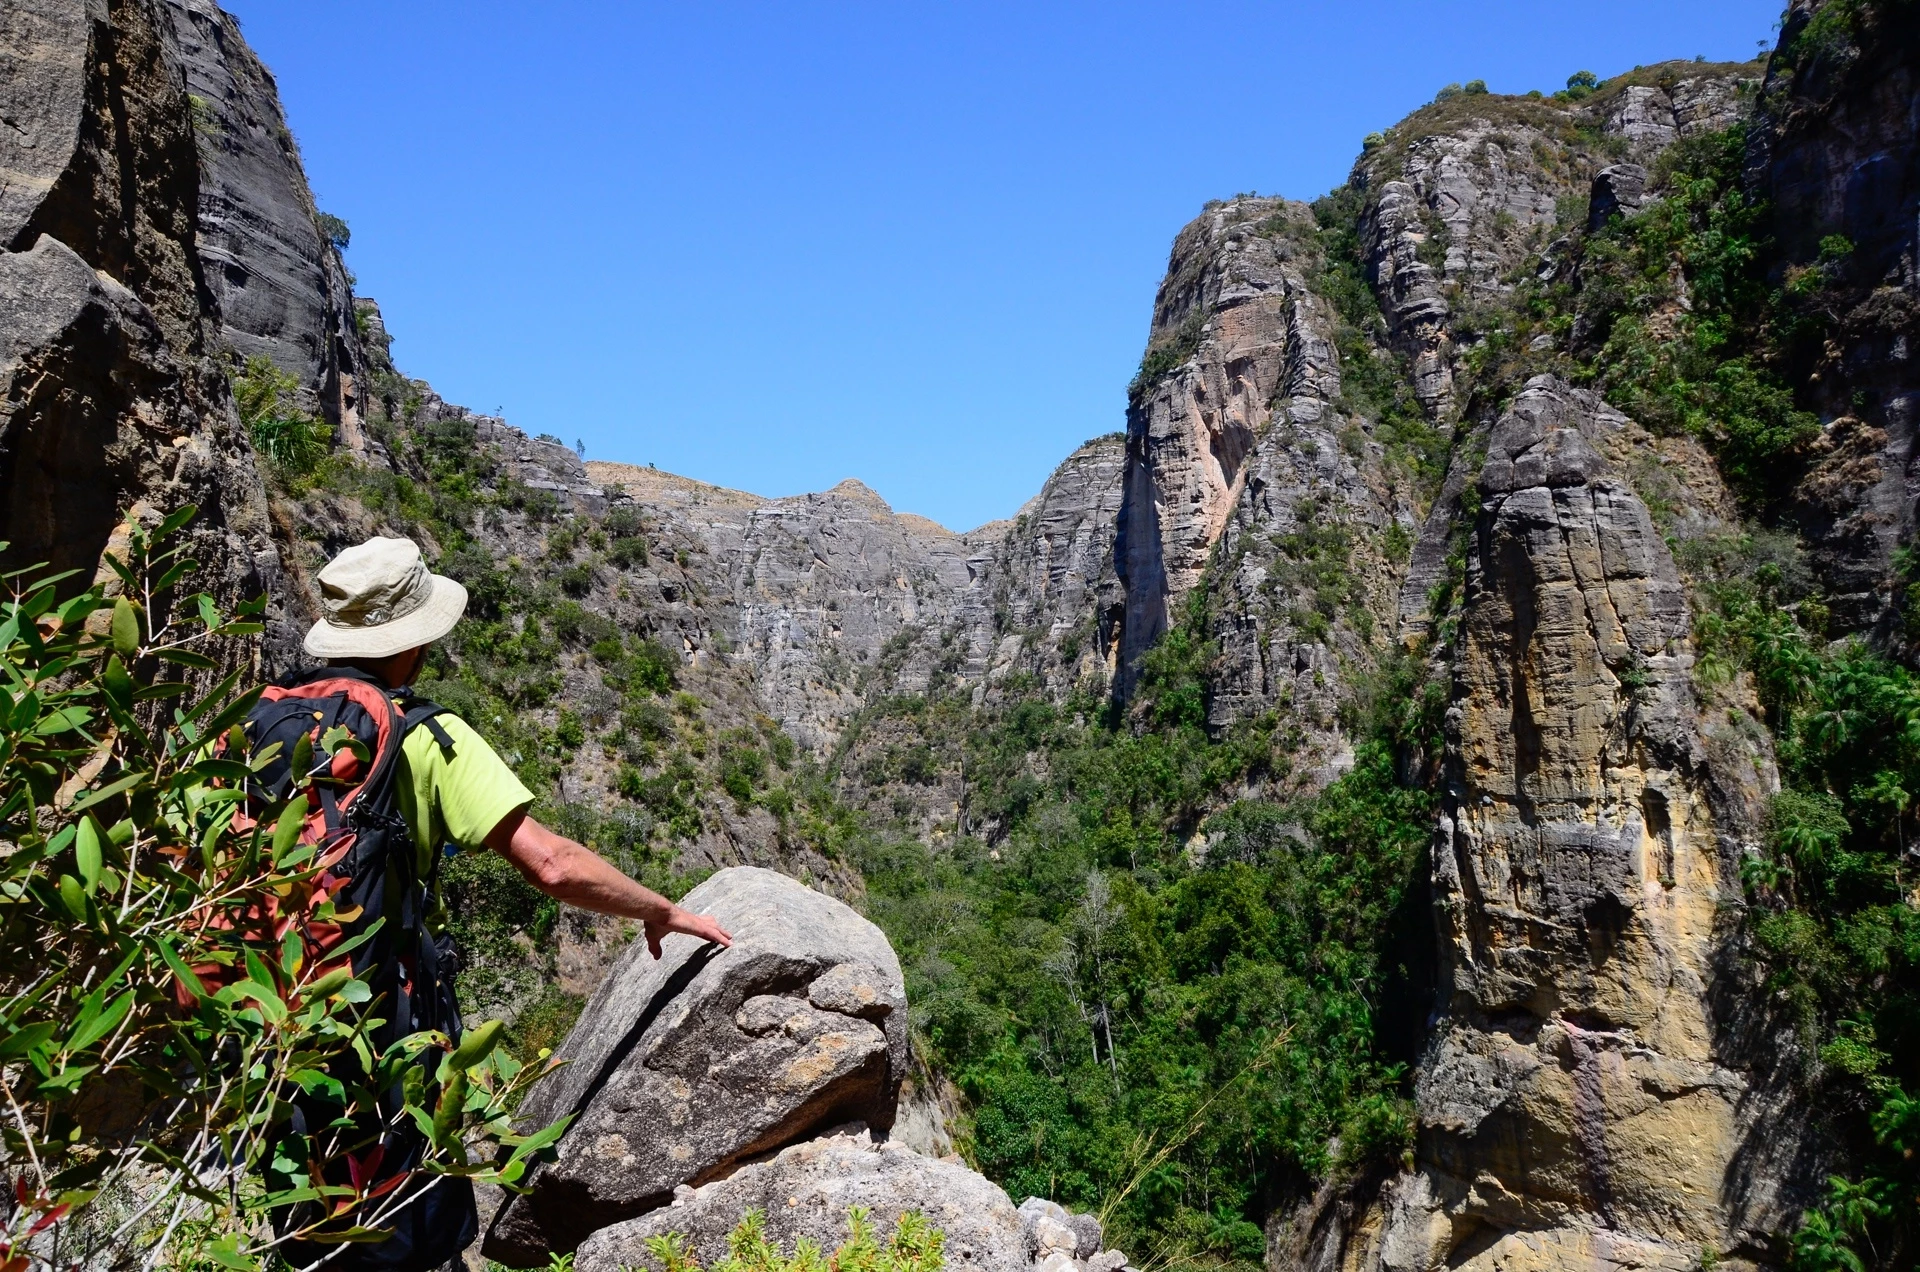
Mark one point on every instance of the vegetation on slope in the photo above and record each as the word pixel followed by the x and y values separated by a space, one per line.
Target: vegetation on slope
pixel 1162 1001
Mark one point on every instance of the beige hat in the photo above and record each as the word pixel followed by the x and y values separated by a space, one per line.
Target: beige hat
pixel 378 599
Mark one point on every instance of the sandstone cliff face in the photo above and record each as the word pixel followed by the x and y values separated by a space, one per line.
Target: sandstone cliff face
pixel 1577 1104
pixel 111 403
pixel 1259 342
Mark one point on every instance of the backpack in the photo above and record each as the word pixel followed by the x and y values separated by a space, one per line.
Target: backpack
pixel 370 871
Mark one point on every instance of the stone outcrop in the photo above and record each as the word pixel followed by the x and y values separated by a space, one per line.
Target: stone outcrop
pixel 682 1067
pixel 1579 1101
pixel 109 404
pixel 764 1076
pixel 805 1192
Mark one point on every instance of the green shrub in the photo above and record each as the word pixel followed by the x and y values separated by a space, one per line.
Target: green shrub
pixel 652 667
pixel 292 442
pixel 153 1034
pixel 628 552
pixel 333 230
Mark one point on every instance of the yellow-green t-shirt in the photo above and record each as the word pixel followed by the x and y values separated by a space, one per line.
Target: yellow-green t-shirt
pixel 455 799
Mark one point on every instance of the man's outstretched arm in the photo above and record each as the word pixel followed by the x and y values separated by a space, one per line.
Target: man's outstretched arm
pixel 575 874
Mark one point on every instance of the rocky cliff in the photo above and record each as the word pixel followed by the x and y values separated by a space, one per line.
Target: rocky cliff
pixel 114 405
pixel 1380 547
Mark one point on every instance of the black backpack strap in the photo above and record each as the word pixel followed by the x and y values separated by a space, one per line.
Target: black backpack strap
pixel 420 712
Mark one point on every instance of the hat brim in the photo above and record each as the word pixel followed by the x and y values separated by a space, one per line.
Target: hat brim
pixel 434 618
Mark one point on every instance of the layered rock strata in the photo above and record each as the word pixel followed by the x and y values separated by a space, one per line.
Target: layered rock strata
pixel 1258 341
pixel 281 289
pixel 1579 1102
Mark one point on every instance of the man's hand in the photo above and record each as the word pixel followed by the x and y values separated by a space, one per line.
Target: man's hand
pixel 679 920
pixel 575 874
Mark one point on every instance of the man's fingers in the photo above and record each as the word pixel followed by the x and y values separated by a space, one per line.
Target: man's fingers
pixel 653 941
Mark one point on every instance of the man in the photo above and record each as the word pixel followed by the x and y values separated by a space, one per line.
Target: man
pixel 381 610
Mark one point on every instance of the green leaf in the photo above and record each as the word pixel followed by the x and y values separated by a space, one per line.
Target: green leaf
pixel 329 985
pixel 476 1046
pixel 270 1004
pixel 286 831
pixel 126 628
pixel 26 1038
pixel 225 770
pixel 62 720
pixel 257 969
pixel 209 612
pixel 108 791
pixel 543 1138
pixel 227 1253
pixel 74 897
pixel 86 854
pixel 187 658
pixel 101 1025
pixel 79 608
pixel 302 762
pixel 184 974
pixel 446 1114
pixel 115 680
pixel 175 519
pixel 214 697
pixel 232 713
pixel 67 1079
pixel 175 572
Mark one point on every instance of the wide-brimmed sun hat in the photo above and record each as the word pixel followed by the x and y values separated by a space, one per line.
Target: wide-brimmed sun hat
pixel 379 599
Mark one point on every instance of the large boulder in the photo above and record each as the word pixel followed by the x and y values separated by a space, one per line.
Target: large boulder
pixel 682 1067
pixel 805 1193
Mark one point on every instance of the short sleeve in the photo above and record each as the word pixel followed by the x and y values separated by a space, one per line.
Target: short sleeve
pixel 470 792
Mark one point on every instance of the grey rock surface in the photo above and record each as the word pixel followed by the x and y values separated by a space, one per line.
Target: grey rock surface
pixel 43 82
pixel 683 1067
pixel 1618 189
pixel 805 1192
pixel 279 284
pixel 109 407
pixel 1458 206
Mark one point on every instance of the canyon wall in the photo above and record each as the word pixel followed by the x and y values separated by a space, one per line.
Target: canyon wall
pixel 1319 479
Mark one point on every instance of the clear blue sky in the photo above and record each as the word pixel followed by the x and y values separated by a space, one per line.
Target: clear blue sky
pixel 774 246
